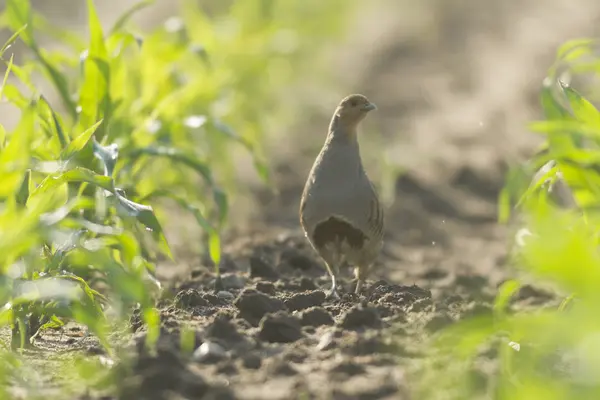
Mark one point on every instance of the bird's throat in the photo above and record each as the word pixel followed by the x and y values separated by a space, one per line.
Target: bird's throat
pixel 340 130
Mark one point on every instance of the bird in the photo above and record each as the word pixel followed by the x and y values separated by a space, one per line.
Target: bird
pixel 340 212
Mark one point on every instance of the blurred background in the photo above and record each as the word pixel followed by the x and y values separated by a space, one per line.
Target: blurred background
pixel 455 82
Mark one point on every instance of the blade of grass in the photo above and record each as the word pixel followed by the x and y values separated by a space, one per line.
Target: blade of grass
pixel 11 40
pixel 79 142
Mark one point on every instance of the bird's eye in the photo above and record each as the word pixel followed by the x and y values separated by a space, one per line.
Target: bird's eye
pixel 353 103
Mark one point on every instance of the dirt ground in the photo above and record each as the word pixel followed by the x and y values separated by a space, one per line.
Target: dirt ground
pixel 455 83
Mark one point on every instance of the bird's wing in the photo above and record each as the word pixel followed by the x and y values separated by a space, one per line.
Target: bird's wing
pixel 376 214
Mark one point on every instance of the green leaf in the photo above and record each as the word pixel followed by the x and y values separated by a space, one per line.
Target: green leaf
pixel 546 173
pixel 63 34
pixel 14 95
pixel 23 193
pixel 552 92
pixel 548 97
pixel 52 288
pixel 22 74
pixel 107 155
pixel 565 127
pixel 516 183
pixel 581 108
pixel 79 142
pixel 60 214
pixel 191 160
pixel 19 17
pixel 185 204
pixel 6 316
pixel 11 40
pixel 8 68
pixel 214 249
pixel 504 205
pixel 259 164
pixel 93 95
pixel 77 174
pixel 187 340
pixel 220 198
pixel 213 235
pixel 574 49
pixel 54 323
pixel 145 215
pixel 126 16
pixel 151 317
pixel 566 302
pixel 116 45
pixel 14 159
pixel 51 121
pixel 177 155
pixel 505 293
pixel 60 83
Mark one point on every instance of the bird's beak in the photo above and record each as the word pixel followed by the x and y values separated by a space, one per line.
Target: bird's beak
pixel 369 107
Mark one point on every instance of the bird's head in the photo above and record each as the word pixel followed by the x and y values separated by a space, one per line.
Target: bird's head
pixel 352 109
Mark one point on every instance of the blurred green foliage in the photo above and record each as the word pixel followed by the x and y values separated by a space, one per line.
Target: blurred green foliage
pixel 550 353
pixel 138 121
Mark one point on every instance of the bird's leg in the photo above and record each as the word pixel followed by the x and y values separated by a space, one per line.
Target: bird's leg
pixel 333 294
pixel 333 272
pixel 360 272
pixel 358 286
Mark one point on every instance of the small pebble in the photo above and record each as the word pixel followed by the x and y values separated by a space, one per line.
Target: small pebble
pixel 106 362
pixel 209 352
pixel 326 342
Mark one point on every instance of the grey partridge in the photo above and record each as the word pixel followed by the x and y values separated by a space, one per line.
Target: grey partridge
pixel 340 211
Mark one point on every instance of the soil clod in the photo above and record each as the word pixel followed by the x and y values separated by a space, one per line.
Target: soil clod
pixel 302 301
pixel 361 317
pixel 254 305
pixel 316 316
pixel 280 327
pixel 259 268
pixel 190 298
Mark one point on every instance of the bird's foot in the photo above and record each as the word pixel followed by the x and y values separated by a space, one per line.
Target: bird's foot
pixel 358 288
pixel 333 294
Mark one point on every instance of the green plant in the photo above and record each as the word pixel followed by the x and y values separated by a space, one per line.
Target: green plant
pixel 131 122
pixel 550 353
